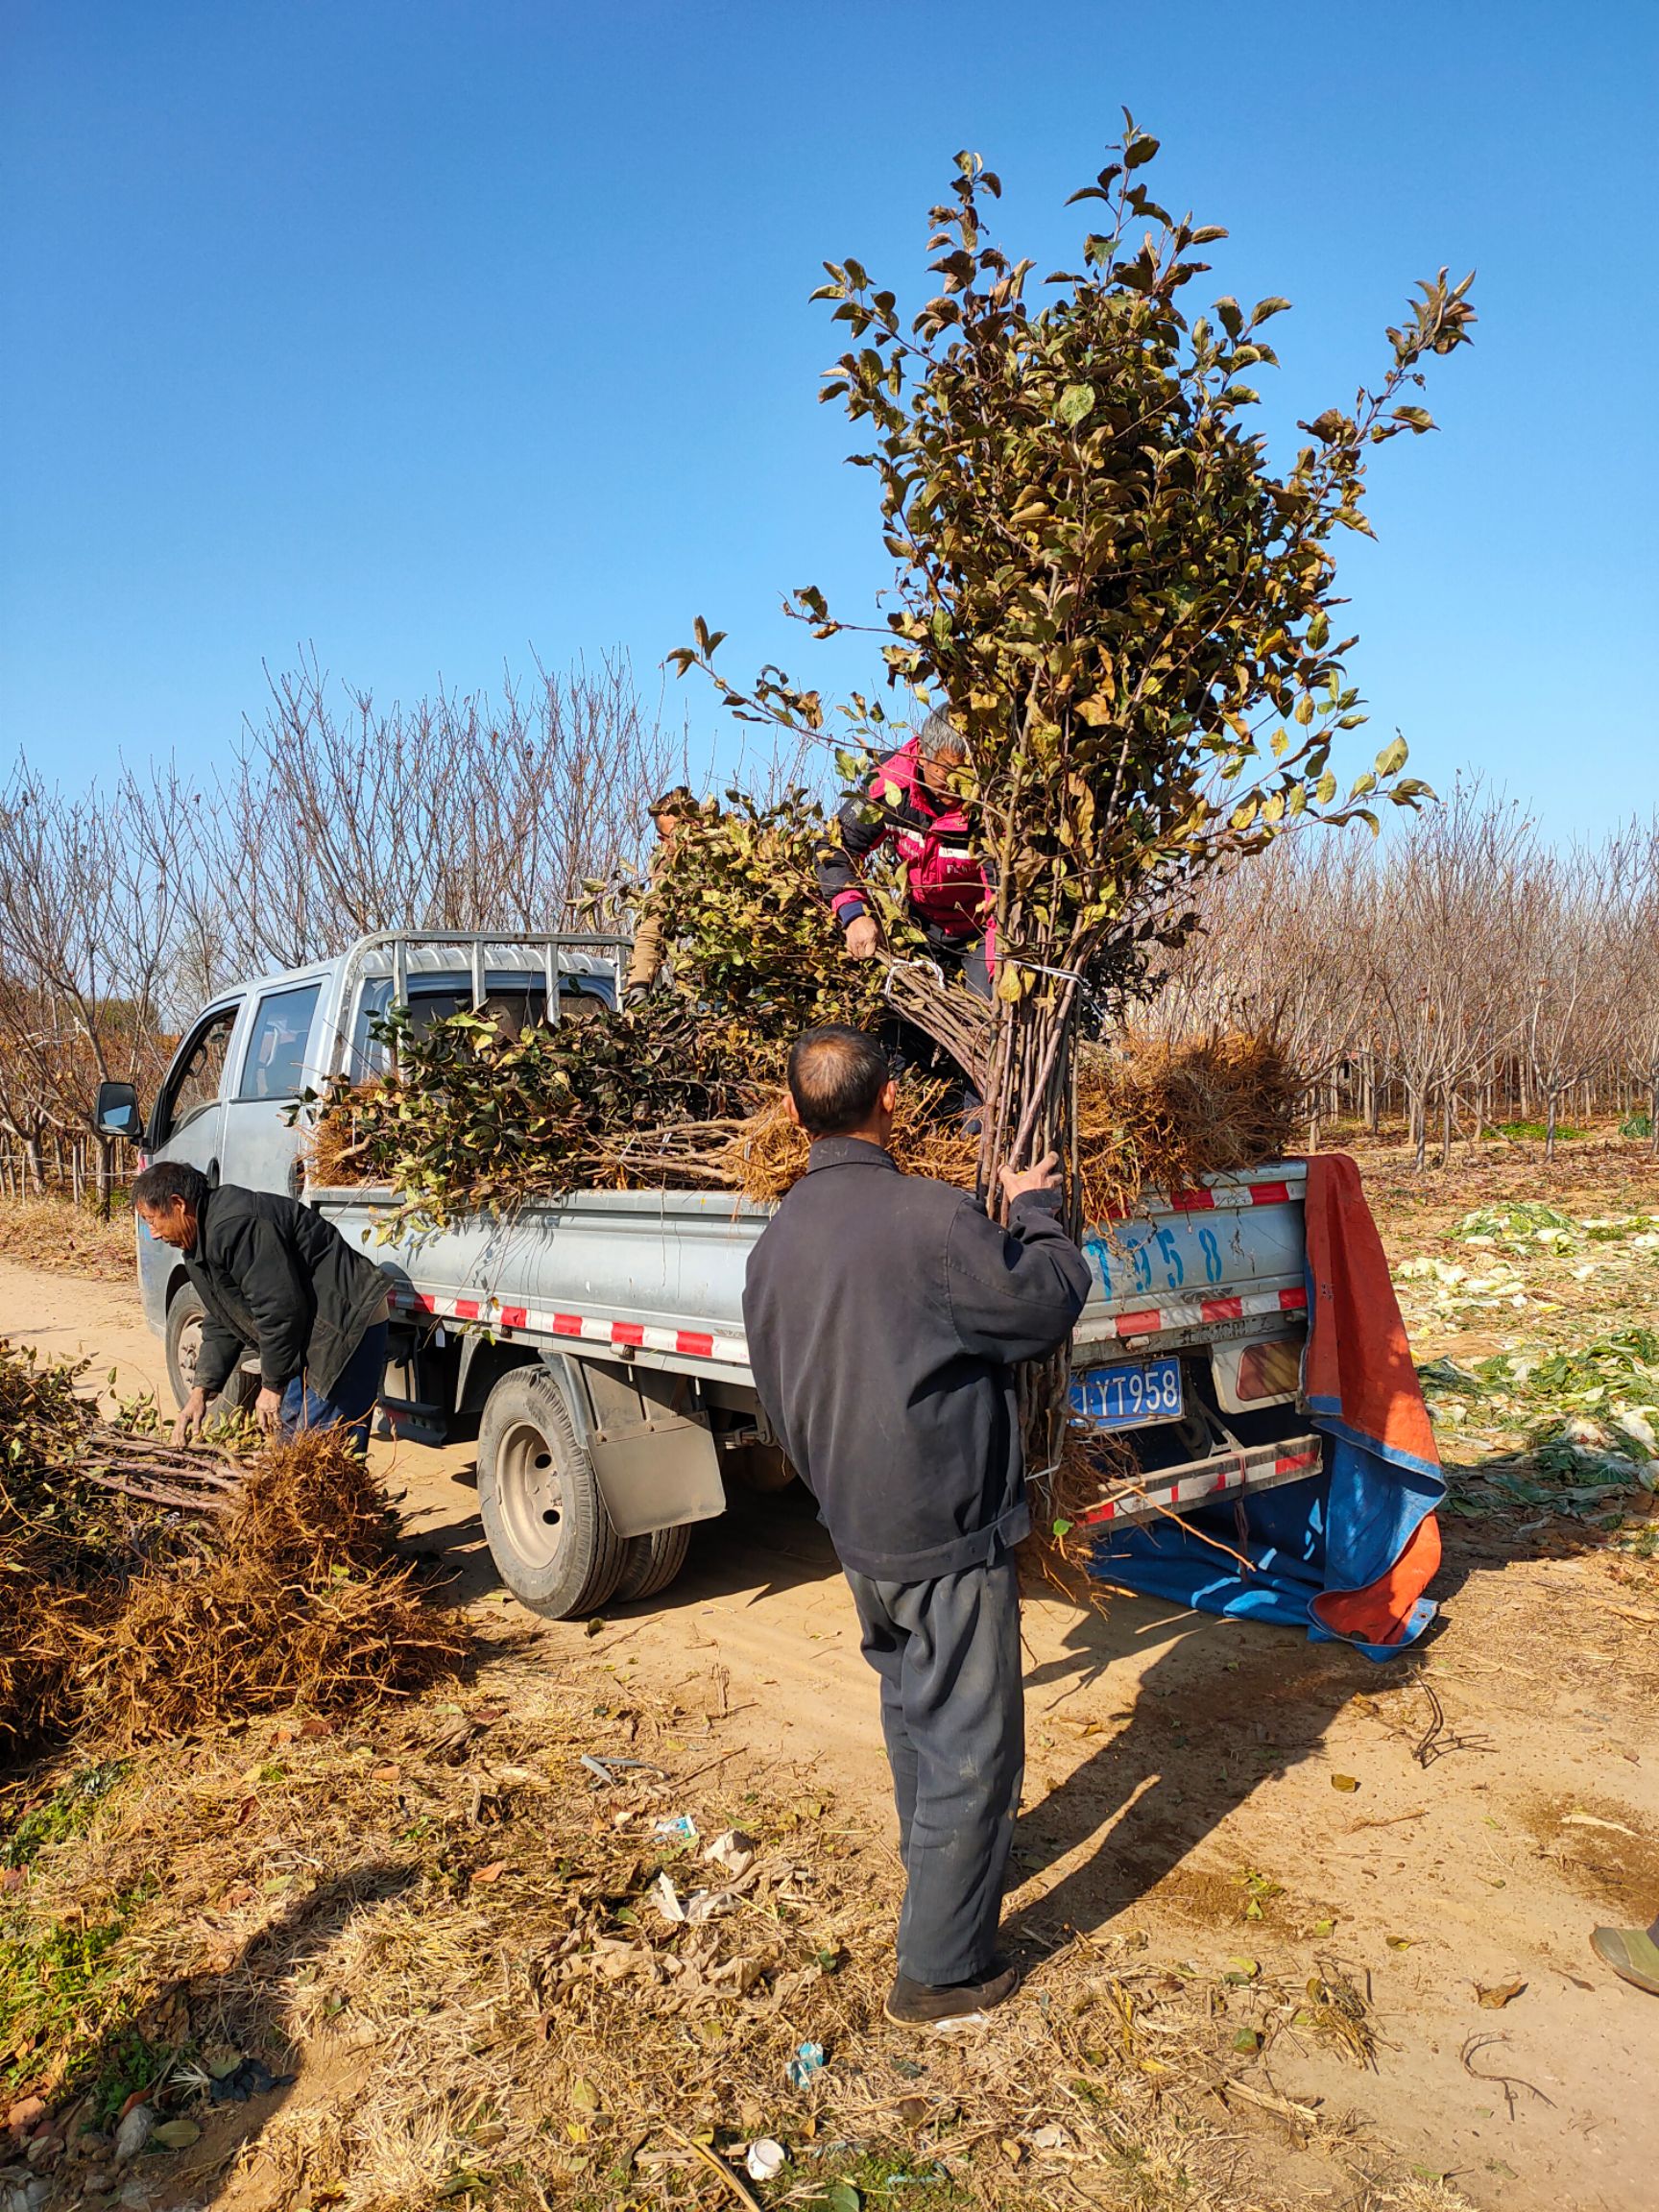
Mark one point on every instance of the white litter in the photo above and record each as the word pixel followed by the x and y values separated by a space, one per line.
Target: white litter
pixel 764 2160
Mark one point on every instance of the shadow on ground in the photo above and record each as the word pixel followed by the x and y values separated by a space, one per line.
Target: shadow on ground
pixel 236 2008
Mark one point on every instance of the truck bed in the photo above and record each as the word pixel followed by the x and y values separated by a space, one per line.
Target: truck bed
pixel 655 1278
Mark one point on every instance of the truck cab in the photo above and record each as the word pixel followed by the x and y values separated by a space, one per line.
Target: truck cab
pixel 227 1103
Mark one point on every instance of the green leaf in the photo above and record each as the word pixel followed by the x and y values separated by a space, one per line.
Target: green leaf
pixel 1075 403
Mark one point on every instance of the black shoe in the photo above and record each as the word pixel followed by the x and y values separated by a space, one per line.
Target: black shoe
pixel 957 2004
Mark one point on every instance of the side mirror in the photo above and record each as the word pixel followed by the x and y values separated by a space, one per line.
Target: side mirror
pixel 116 1113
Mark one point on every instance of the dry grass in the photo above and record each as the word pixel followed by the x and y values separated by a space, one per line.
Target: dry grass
pixel 450 1931
pixel 329 1146
pixel 62 1239
pixel 1150 1115
pixel 768 1155
pixel 1154 1116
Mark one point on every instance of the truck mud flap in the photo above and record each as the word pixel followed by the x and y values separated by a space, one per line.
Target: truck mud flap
pixel 654 1455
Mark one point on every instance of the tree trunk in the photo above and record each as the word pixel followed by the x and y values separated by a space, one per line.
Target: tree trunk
pixel 1030 1109
pixel 1549 1129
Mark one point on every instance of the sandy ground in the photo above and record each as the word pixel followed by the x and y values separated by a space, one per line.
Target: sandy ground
pixel 1182 1788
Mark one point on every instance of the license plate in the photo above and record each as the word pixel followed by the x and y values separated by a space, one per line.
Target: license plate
pixel 1129 1396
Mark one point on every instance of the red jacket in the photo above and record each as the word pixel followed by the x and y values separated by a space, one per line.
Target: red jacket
pixel 947 887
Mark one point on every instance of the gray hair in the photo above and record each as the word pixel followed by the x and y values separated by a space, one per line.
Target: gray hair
pixel 938 741
pixel 165 1180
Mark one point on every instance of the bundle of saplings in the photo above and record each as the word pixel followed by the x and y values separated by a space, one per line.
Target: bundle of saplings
pixel 1125 608
pixel 474 1117
pixel 147 1587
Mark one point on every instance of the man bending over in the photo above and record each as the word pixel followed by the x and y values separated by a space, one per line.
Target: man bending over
pixel 277 1278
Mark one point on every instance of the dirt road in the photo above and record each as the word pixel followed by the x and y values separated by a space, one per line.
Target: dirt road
pixel 1190 1788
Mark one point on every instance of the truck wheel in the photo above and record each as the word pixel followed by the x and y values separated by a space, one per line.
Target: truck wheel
pixel 184 1347
pixel 549 1534
pixel 652 1562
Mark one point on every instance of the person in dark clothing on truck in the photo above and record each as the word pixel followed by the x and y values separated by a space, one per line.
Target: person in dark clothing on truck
pixel 885 1313
pixel 649 958
pixel 277 1278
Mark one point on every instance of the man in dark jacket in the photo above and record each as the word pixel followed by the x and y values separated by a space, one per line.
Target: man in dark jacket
pixel 273 1277
pixel 885 1313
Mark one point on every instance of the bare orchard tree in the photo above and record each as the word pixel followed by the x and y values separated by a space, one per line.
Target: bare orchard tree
pixel 459 812
pixel 1277 950
pixel 87 918
pixel 1631 919
pixel 1441 933
pixel 1569 1011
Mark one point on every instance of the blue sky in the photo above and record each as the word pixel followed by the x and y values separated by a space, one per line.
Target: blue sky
pixel 428 332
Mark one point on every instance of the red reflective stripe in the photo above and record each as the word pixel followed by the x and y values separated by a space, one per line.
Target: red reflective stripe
pixel 566 1323
pixel 700 1347
pixel 1293 1301
pixel 1270 1194
pixel 1221 1309
pixel 424 1304
pixel 513 1317
pixel 1139 1324
pixel 627 1333
pixel 466 1308
pixel 1192 1201
pixel 1296 1461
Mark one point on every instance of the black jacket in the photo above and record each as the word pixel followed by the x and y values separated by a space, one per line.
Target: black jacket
pixel 885 1313
pixel 278 1278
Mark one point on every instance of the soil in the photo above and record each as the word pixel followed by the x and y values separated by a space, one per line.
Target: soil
pixel 1454 1824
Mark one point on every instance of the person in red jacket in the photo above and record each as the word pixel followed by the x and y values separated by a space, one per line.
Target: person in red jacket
pixel 910 806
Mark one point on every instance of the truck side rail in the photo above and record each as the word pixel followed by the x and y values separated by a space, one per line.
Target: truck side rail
pixel 659 1274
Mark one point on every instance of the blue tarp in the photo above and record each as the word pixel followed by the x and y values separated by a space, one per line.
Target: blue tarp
pixel 1340 1529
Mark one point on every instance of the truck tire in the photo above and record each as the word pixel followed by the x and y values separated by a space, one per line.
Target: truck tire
pixel 184 1342
pixel 650 1562
pixel 551 1538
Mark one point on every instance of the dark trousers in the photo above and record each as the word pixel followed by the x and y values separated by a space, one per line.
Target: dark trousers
pixel 954 1714
pixel 352 1399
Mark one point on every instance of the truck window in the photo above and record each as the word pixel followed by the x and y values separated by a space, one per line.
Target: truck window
pixel 193 1084
pixel 273 1065
pixel 516 1001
